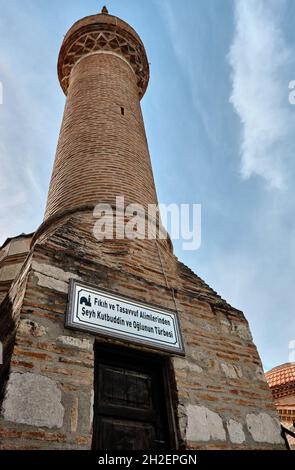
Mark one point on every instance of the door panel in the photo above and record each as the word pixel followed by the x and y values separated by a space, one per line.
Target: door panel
pixel 119 434
pixel 124 387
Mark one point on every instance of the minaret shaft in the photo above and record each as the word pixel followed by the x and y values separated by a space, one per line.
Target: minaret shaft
pixel 102 150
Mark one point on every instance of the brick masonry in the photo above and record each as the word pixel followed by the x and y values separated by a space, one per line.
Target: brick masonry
pixel 12 256
pixel 219 383
pixel 221 399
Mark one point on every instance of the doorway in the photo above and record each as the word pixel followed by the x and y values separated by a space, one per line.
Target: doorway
pixel 132 404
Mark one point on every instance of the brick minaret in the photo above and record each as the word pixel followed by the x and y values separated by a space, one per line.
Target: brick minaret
pixel 61 387
pixel 102 150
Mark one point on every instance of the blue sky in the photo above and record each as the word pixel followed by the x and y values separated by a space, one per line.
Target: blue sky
pixel 220 131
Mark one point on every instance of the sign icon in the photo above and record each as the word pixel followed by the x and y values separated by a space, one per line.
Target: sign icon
pixel 84 301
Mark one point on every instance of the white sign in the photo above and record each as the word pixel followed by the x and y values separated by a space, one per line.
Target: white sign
pixel 98 311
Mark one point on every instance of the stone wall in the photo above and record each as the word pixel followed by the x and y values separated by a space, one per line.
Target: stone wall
pixel 221 399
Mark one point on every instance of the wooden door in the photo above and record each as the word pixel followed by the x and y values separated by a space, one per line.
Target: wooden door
pixel 130 411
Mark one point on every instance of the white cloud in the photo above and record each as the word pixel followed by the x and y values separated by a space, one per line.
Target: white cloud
pixel 261 61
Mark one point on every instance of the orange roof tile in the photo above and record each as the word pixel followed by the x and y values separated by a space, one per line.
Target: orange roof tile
pixel 281 375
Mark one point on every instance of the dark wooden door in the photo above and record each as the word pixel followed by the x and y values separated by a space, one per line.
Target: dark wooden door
pixel 130 411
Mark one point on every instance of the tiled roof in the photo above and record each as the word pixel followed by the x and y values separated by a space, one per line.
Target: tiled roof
pixel 281 375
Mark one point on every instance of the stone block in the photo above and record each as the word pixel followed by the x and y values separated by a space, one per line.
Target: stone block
pixel 203 424
pixel 264 428
pixel 235 431
pixel 33 399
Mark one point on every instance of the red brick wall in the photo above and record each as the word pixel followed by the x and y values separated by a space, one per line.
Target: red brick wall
pixel 101 153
